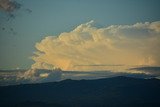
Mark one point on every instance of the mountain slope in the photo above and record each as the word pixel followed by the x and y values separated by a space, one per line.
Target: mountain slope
pixel 109 92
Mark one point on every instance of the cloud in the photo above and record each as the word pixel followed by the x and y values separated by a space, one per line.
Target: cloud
pixel 149 70
pixel 13 77
pixel 9 6
pixel 136 44
pixel 40 75
pixel 100 52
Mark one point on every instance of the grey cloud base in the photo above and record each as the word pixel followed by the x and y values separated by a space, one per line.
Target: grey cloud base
pixel 15 77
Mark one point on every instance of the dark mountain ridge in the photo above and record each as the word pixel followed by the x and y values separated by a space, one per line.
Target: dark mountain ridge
pixel 108 92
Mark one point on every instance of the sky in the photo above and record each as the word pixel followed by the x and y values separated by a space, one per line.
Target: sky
pixel 28 22
pixel 53 40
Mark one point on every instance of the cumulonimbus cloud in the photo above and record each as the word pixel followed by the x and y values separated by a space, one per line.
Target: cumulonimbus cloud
pixel 137 44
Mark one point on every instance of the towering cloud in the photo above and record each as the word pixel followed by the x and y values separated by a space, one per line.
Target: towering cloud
pixel 87 46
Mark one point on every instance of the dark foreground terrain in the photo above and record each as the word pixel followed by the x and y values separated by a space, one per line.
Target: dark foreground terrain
pixel 110 92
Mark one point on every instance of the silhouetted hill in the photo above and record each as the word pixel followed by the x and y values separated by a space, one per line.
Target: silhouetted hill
pixel 109 92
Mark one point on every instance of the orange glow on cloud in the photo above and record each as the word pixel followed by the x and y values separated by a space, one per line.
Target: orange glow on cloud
pixel 136 44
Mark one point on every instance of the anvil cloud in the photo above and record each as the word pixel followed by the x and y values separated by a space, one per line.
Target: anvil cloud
pixel 137 44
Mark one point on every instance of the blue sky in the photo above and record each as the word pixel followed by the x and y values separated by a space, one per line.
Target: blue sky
pixel 52 17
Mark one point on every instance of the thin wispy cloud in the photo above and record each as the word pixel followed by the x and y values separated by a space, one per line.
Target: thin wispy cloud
pixel 9 6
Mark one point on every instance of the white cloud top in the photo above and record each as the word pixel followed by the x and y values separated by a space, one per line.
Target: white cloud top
pixel 87 46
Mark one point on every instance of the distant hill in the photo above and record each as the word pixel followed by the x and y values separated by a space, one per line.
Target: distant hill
pixel 109 92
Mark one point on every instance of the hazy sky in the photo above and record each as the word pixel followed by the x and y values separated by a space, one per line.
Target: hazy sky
pixel 23 27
